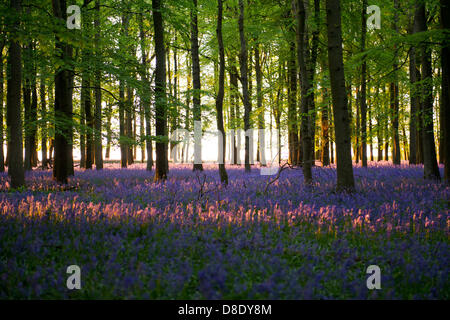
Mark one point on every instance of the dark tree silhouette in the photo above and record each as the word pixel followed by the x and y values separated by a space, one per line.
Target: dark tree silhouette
pixel 345 180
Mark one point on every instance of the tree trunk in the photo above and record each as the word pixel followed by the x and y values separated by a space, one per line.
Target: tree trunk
pixel 33 118
pixel 219 100
pixel 363 88
pixel 13 112
pixel 358 125
pixel 312 72
pixel 445 56
pixel 63 104
pixel 129 109
pixel 43 124
pixel 2 155
pixel 345 180
pixel 306 120
pixel 395 97
pixel 234 112
pixel 145 97
pixel 122 104
pixel 261 109
pixel 293 142
pixel 243 61
pixel 108 131
pixel 86 99
pixel 160 93
pixel 325 133
pixel 27 70
pixel 414 107
pixel 98 93
pixel 197 111
pixel 431 170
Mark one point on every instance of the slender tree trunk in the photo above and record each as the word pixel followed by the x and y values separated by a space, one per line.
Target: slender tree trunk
pixel 13 112
pixel 86 98
pixel 188 104
pixel 108 131
pixel 145 97
pixel 28 59
pixel 292 107
pixel 358 126
pixel 98 93
pixel 431 169
pixel 128 123
pixel 63 163
pixel 363 88
pixel 379 132
pixel 219 100
pixel 122 104
pixel 445 62
pixel 306 121
pixel 332 137
pixel 370 136
pixel 83 130
pixel 51 102
pixel 243 61
pixel 160 93
pixel 235 112
pixel 123 147
pixel 197 111
pixel 43 124
pixel 325 133
pixel 386 130
pixel 33 118
pixel 345 180
pixel 312 72
pixel 395 98
pixel 414 107
pixel 441 126
pixel 261 109
pixel 2 155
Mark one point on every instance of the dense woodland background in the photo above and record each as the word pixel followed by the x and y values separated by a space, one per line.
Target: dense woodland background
pixel 137 70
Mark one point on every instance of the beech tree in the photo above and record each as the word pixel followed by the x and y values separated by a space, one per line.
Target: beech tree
pixel 345 180
pixel 13 115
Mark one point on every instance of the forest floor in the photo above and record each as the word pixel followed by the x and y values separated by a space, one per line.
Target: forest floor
pixel 192 238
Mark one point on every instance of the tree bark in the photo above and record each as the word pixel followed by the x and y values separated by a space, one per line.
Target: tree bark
pixel 363 88
pixel 219 100
pixel 13 111
pixel 445 62
pixel 160 93
pixel 43 123
pixel 63 104
pixel 261 109
pixel 122 104
pixel 98 93
pixel 306 86
pixel 292 107
pixel 345 180
pixel 196 99
pixel 27 71
pixel 234 112
pixel 145 97
pixel 2 155
pixel 431 169
pixel 414 107
pixel 243 61
pixel 395 97
pixel 325 130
